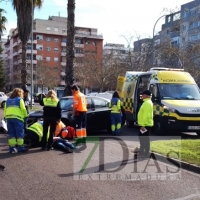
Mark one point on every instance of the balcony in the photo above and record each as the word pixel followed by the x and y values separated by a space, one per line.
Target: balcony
pixel 28 51
pixel 63 53
pixel 34 41
pixel 62 74
pixel 79 45
pixel 63 63
pixel 27 61
pixel 15 44
pixel 79 55
pixel 15 63
pixel 63 44
pixel 15 53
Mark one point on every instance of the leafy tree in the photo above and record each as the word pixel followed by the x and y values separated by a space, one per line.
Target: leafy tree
pixel 46 76
pixel 2 75
pixel 24 21
pixel 3 21
pixel 70 47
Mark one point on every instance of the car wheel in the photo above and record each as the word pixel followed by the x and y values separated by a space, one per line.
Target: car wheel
pixel 2 104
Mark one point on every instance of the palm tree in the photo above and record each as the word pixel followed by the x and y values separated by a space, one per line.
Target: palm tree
pixel 24 21
pixel 69 79
pixel 3 21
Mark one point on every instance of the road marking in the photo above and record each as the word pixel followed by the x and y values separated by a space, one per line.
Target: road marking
pixel 188 197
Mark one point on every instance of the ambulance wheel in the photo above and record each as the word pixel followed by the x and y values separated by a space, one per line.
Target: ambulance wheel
pixel 129 123
pixel 158 128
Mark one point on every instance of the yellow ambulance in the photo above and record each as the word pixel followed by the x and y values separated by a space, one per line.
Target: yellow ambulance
pixel 175 95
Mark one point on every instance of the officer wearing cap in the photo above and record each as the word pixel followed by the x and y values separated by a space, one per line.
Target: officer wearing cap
pixel 145 121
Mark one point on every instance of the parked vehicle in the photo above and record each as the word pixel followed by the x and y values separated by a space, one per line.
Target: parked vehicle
pixel 175 96
pixel 98 114
pixel 3 98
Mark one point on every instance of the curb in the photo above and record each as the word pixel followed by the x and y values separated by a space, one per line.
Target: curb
pixel 181 164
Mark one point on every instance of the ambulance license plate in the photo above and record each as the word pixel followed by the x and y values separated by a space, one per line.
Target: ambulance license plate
pixel 193 127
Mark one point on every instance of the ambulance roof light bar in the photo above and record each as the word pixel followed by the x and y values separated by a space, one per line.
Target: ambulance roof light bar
pixel 165 69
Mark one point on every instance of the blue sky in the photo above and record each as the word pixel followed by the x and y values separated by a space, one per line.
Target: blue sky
pixel 115 19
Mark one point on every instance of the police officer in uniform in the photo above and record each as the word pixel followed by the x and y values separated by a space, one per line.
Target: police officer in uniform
pixel 15 114
pixel 51 116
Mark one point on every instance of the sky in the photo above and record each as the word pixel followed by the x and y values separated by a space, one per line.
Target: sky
pixel 119 21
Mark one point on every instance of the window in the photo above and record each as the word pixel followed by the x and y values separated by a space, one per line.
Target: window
pixel 48 58
pixel 87 42
pixel 28 47
pixel 78 50
pixel 48 39
pixel 56 29
pixel 39 57
pixel 56 59
pixel 78 41
pixel 28 57
pixel 48 48
pixel 63 30
pixel 184 27
pixel 56 49
pixel 48 28
pixel 56 40
pixel 39 37
pixel 94 43
pixel 39 47
pixel 99 103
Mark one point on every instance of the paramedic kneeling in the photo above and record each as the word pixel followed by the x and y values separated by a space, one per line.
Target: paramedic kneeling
pixel 145 121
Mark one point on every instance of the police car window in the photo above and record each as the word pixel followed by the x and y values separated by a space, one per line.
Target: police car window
pixel 100 103
pixel 89 103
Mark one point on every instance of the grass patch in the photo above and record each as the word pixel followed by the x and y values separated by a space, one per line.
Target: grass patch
pixel 189 150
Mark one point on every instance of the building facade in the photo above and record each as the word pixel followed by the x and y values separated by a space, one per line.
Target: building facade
pixel 49 49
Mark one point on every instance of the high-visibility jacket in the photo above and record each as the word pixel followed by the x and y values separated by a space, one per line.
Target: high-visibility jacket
pixel 15 109
pixel 59 127
pixel 79 102
pixel 37 128
pixel 145 114
pixel 51 108
pixel 115 105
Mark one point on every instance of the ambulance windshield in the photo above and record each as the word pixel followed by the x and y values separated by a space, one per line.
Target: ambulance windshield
pixel 179 91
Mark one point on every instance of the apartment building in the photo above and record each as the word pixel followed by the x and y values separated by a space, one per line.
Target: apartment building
pixel 49 46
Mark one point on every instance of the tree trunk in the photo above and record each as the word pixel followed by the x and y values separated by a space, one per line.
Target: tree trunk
pixel 23 67
pixel 69 79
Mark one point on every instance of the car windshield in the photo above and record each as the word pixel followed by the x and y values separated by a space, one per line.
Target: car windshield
pixel 66 104
pixel 179 91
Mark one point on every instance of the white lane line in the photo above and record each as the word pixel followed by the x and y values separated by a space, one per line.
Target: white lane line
pixel 188 197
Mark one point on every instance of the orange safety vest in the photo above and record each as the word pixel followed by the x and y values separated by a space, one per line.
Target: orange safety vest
pixel 59 127
pixel 80 102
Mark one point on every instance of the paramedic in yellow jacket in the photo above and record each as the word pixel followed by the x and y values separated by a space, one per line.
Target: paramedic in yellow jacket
pixel 15 114
pixel 35 133
pixel 116 115
pixel 145 121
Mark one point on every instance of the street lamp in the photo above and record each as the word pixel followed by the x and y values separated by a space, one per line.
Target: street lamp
pixel 153 38
pixel 32 53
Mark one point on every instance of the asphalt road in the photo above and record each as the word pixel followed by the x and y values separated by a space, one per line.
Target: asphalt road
pixel 105 170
